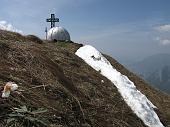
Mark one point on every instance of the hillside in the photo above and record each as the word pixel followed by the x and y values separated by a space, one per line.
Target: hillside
pixel 58 89
pixel 154 69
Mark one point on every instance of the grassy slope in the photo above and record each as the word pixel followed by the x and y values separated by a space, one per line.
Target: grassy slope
pixel 51 77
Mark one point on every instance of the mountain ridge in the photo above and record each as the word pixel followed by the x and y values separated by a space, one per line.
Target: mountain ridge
pixel 155 70
pixel 52 77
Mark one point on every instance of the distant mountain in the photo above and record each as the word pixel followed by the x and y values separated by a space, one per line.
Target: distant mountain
pixel 154 69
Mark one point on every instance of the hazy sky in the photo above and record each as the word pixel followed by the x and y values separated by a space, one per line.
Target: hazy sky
pixel 125 29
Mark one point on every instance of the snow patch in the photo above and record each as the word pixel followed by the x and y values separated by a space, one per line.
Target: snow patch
pixel 138 102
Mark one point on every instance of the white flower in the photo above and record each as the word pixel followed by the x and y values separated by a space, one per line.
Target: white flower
pixel 8 88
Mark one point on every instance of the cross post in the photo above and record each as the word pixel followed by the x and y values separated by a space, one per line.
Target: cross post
pixel 52 20
pixel 46 33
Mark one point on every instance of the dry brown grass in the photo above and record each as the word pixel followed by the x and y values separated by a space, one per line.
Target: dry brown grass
pixel 52 77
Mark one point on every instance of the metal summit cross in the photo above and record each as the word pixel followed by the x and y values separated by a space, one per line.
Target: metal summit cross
pixel 52 20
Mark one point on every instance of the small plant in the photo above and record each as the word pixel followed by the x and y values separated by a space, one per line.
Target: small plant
pixel 62 44
pixel 24 117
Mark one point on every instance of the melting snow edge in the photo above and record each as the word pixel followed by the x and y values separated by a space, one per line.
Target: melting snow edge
pixel 138 102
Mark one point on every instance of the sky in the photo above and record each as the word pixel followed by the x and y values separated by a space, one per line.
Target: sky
pixel 128 30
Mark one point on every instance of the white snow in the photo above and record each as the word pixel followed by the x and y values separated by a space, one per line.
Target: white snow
pixel 138 102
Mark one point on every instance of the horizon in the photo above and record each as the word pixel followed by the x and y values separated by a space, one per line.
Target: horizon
pixel 126 30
